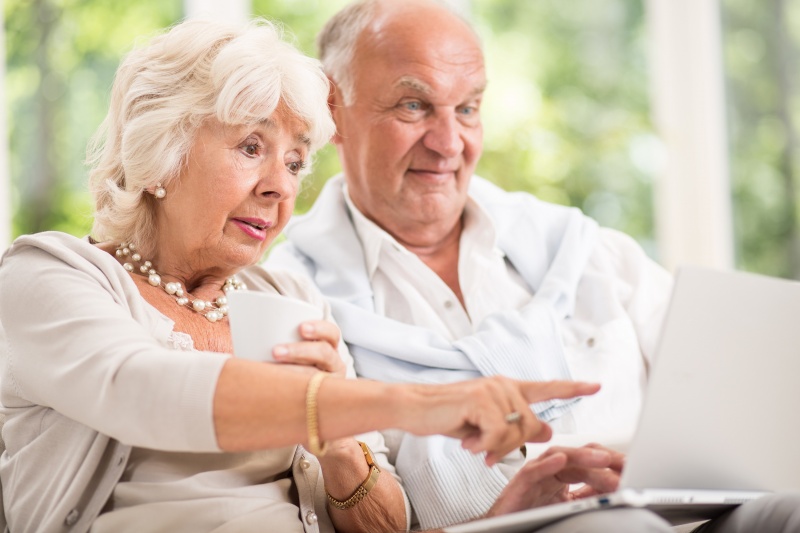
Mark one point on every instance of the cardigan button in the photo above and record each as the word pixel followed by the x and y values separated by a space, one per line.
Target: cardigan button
pixel 590 342
pixel 72 517
pixel 311 518
pixel 305 464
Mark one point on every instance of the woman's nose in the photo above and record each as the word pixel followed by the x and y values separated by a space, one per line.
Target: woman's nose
pixel 277 183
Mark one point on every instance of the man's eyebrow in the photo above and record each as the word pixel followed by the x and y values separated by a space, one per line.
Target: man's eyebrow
pixel 479 90
pixel 418 85
pixel 415 84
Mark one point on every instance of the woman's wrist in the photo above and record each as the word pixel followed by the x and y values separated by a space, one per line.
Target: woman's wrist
pixel 408 405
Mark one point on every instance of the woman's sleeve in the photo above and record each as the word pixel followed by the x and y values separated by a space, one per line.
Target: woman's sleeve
pixel 74 344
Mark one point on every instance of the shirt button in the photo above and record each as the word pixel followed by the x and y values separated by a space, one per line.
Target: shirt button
pixel 311 518
pixel 590 342
pixel 448 304
pixel 72 517
pixel 305 464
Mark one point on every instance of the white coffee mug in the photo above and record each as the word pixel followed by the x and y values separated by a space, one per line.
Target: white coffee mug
pixel 260 321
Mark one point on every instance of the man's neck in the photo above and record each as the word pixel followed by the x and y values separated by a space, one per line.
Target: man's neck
pixel 441 256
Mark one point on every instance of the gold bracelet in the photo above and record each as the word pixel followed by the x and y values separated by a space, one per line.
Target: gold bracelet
pixel 362 489
pixel 311 415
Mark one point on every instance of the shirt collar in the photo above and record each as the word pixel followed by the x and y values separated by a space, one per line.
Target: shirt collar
pixel 371 235
pixel 478 228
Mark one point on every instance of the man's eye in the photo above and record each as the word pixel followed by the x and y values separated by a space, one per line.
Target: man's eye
pixel 413 106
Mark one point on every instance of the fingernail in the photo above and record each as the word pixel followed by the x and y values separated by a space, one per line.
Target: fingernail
pixel 280 351
pixel 599 454
pixel 308 329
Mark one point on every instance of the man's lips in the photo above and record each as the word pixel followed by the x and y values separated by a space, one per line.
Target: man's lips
pixel 433 174
pixel 434 170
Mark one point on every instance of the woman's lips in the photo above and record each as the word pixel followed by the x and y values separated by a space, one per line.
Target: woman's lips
pixel 254 227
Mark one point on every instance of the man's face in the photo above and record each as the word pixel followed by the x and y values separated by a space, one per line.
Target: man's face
pixel 412 136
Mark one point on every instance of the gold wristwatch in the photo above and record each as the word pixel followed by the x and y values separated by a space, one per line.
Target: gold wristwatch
pixel 362 489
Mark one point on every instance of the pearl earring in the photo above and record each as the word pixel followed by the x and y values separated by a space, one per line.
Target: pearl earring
pixel 160 191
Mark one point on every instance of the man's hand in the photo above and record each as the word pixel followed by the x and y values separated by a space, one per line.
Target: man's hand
pixel 546 480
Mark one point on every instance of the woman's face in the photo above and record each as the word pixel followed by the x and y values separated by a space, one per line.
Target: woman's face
pixel 233 197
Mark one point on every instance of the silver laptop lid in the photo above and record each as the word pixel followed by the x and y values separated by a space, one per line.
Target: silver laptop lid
pixel 721 410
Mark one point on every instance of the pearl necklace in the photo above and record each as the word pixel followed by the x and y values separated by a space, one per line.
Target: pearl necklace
pixel 213 311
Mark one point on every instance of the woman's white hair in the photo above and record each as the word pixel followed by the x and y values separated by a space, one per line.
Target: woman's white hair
pixel 164 91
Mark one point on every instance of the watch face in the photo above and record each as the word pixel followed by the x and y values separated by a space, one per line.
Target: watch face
pixel 364 488
pixel 367 454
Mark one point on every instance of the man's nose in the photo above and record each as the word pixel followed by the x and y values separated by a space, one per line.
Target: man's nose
pixel 444 134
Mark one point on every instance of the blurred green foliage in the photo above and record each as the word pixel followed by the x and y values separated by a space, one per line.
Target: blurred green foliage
pixel 60 61
pixel 566 112
pixel 761 55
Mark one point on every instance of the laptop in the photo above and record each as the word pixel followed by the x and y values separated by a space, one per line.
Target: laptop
pixel 720 424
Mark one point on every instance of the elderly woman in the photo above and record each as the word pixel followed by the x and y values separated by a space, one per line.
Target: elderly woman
pixel 125 410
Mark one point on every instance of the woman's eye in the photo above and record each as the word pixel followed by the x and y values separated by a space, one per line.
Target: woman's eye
pixel 251 149
pixel 296 166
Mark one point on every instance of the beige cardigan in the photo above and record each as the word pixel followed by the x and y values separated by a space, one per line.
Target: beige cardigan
pixel 80 346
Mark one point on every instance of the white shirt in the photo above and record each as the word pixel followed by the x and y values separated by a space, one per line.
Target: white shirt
pixel 595 317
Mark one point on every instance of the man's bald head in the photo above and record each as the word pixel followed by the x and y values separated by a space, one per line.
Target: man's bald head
pixel 364 20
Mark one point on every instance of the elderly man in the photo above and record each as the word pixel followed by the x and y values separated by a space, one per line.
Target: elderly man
pixel 435 275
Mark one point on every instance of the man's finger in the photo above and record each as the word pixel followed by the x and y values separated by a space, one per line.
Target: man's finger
pixel 583 492
pixel 533 472
pixel 584 456
pixel 617 458
pixel 600 479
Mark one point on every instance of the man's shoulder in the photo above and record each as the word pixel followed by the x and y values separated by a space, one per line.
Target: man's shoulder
pixel 619 254
pixel 495 199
